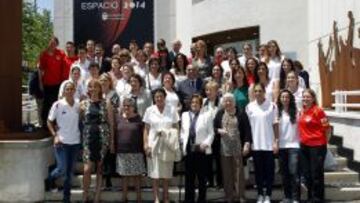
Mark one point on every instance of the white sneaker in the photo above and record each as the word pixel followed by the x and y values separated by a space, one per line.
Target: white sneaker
pixel 295 201
pixel 260 199
pixel 267 199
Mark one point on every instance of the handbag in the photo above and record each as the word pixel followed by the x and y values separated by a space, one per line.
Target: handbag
pixel 170 146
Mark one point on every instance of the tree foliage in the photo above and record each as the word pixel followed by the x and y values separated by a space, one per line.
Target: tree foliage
pixel 37 30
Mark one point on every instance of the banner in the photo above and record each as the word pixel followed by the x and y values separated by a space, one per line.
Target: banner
pixel 114 21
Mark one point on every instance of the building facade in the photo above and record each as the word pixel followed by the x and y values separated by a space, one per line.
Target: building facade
pixel 297 25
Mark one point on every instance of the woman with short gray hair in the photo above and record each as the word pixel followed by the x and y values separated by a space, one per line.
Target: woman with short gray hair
pixel 129 146
pixel 231 124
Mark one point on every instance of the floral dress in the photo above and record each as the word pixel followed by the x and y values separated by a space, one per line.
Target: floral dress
pixel 96 131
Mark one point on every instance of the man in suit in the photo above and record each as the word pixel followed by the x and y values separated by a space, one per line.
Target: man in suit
pixel 191 85
pixel 104 64
pixel 176 46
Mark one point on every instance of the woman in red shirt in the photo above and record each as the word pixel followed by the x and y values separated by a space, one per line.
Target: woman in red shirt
pixel 313 127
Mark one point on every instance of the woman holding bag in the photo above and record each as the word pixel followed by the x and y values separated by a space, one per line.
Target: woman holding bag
pixel 157 119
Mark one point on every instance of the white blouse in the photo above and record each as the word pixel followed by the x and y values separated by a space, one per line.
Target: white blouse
pixel 159 121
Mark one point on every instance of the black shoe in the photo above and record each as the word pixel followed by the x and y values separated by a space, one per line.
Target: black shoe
pixel 66 200
pixel 49 184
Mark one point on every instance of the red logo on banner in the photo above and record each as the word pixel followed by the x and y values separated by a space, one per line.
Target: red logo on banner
pixel 115 19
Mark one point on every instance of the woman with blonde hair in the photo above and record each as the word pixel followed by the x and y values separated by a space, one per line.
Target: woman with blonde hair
pixel 98 133
pixel 110 96
pixel 202 60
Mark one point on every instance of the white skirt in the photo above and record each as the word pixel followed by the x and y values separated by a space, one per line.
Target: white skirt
pixel 159 169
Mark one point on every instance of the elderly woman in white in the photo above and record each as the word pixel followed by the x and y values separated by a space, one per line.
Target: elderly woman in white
pixel 197 135
pixel 159 119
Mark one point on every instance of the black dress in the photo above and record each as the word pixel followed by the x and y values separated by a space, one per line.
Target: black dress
pixel 96 131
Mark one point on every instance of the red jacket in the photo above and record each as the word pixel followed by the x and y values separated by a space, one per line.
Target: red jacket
pixel 52 67
pixel 313 126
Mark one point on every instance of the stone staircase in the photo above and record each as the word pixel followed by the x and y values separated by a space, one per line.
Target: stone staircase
pixel 341 185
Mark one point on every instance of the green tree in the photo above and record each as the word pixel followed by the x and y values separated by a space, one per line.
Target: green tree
pixel 37 30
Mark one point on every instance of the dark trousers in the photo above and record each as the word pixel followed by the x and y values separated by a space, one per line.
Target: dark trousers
pixel 264 171
pixel 109 167
pixel 51 93
pixel 289 165
pixel 195 166
pixel 65 156
pixel 312 161
pixel 215 171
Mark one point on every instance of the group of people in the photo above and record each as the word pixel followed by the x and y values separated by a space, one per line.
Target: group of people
pixel 141 110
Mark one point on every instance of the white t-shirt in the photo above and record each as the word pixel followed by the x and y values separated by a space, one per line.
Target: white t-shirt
pixel 67 120
pixel 288 132
pixel 159 121
pixel 274 67
pixel 261 118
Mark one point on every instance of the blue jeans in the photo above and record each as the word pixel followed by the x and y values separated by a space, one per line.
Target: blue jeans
pixel 289 164
pixel 65 156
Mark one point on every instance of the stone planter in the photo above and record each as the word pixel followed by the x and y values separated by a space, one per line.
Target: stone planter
pixel 24 159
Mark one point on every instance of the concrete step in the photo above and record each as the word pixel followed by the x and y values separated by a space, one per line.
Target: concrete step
pixel 341 162
pixel 331 194
pixel 345 177
pixel 333 149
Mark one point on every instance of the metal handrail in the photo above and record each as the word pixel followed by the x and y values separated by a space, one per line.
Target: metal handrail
pixel 341 101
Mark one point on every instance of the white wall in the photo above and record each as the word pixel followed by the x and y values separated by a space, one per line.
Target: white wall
pixel 164 20
pixel 64 21
pixel 282 20
pixel 322 13
pixel 183 24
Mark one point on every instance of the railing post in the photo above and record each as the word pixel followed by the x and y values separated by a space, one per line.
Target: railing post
pixel 341 97
pixel 345 101
pixel 337 108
